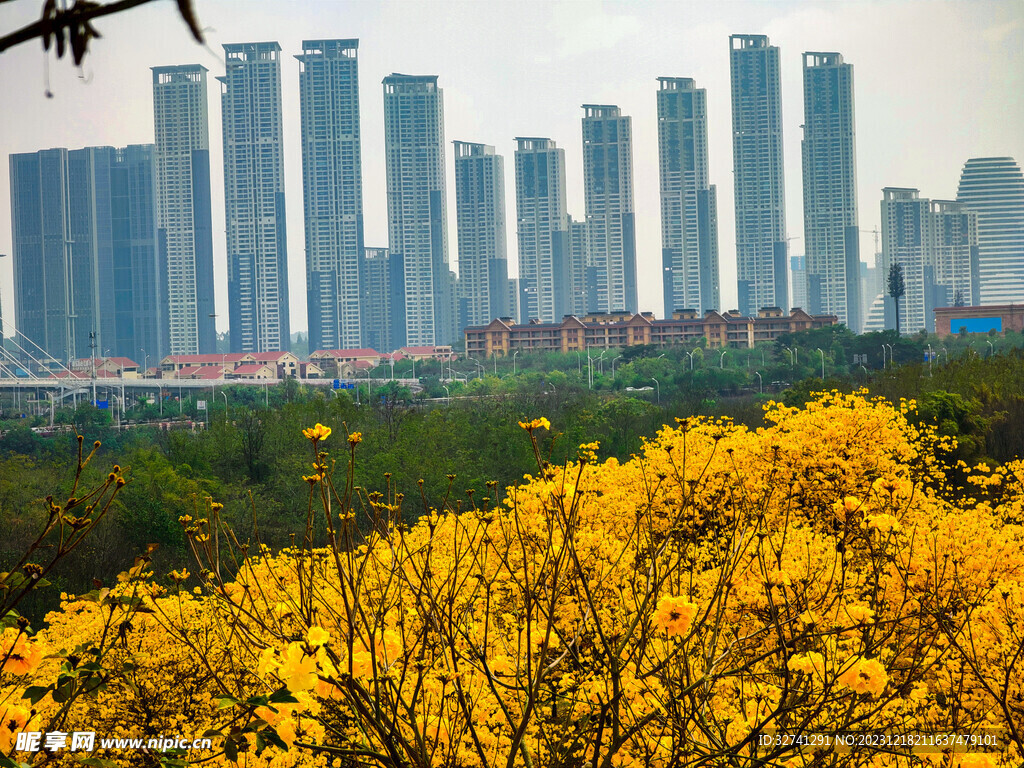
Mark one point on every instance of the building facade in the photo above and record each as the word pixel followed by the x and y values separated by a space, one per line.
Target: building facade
pixel 332 187
pixel 480 216
pixel 994 187
pixel 689 209
pixel 831 231
pixel 624 329
pixel 183 205
pixel 582 279
pixel 759 181
pixel 608 196
pixel 990 318
pixel 257 246
pixel 542 230
pixel 88 265
pixel 417 225
pixel 382 283
pixel 936 243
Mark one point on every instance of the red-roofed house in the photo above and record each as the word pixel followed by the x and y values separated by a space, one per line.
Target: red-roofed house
pixel 332 361
pixel 427 353
pixel 310 371
pixel 116 366
pixel 285 364
pixel 253 371
pixel 230 360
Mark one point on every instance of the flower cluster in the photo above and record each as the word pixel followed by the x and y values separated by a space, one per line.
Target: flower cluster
pixel 662 611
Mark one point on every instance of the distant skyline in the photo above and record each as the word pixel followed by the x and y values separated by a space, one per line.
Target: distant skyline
pixel 937 83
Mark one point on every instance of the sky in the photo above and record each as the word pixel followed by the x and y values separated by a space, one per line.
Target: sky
pixel 936 82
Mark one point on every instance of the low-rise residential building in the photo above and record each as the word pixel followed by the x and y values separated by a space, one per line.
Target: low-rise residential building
pixel 284 364
pixel 992 317
pixel 334 362
pixel 115 366
pixel 254 371
pixel 229 361
pixel 436 352
pixel 623 329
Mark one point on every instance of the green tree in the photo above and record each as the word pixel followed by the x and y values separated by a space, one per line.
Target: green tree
pixel 897 288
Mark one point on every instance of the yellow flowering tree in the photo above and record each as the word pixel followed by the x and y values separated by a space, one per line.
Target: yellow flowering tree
pixel 715 600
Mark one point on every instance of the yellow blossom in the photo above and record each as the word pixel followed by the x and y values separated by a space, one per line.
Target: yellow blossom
pixel 865 676
pixel 674 615
pixel 317 636
pixel 317 433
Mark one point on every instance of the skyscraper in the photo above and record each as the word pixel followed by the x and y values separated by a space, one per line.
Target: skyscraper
pixel 87 259
pixel 542 230
pixel 831 233
pixel 183 207
pixel 382 283
pixel 254 198
pixel 582 281
pixel 53 295
pixel 689 214
pixel 480 213
pixel 936 242
pixel 758 174
pixel 608 197
pixel 332 187
pixel 417 226
pixel 994 187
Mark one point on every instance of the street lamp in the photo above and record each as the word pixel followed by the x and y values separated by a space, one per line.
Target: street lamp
pixel 721 359
pixel 822 363
pixel 891 358
pixel 514 362
pixel 760 382
pixel 930 360
pixel 613 366
pixel 447 391
pixel 225 405
pixel 690 355
pixel 991 349
pixel 792 356
pixel 659 389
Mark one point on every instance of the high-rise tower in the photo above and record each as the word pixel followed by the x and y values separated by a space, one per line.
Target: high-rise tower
pixel 332 187
pixel 87 259
pixel 758 174
pixel 542 230
pixel 831 234
pixel 994 187
pixel 417 228
pixel 608 197
pixel 254 198
pixel 689 213
pixel 483 250
pixel 936 243
pixel 183 207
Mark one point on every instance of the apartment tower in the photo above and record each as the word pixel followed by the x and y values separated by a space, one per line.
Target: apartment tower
pixel 542 229
pixel 183 206
pixel 608 198
pixel 332 187
pixel 480 215
pixel 689 215
pixel 758 174
pixel 254 198
pixel 831 233
pixel 417 226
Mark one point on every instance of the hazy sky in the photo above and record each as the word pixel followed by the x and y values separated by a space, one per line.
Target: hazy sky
pixel 936 82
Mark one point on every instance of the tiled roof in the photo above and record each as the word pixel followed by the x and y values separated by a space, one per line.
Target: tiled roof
pixel 346 353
